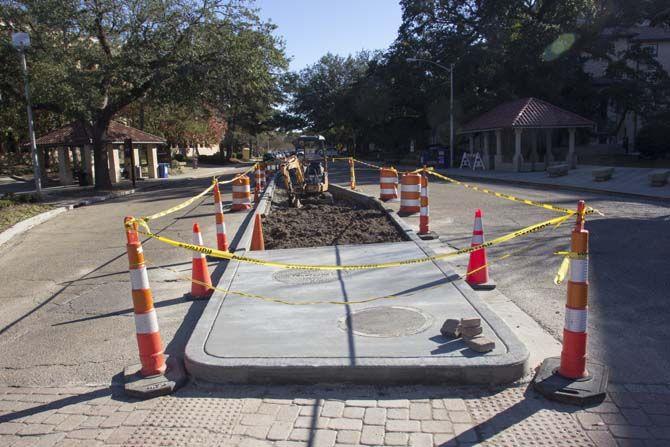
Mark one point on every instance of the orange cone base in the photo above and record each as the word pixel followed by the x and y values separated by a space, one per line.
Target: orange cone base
pixel 136 385
pixel 408 211
pixel 238 207
pixel 429 236
pixel 200 273
pixel 221 242
pixel 585 391
pixel 479 280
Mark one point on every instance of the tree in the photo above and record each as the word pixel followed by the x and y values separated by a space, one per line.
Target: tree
pixel 92 58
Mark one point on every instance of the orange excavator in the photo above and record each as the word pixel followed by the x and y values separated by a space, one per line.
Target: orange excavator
pixel 301 181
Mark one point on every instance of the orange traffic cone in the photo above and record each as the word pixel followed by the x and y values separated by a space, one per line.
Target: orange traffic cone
pixel 203 288
pixel 478 271
pixel 257 242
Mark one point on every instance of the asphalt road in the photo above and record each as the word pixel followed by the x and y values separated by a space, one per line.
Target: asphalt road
pixel 67 316
pixel 629 266
pixel 67 310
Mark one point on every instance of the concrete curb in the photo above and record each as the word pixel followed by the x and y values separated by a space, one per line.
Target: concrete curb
pixel 27 224
pixel 397 370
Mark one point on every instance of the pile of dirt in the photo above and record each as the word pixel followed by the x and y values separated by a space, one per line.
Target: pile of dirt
pixel 324 220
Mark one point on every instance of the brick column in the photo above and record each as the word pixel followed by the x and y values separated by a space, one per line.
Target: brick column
pixel 64 168
pixel 113 159
pixel 517 161
pixel 499 157
pixel 572 157
pixel 152 159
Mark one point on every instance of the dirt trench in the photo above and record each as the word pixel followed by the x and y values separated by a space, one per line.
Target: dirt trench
pixel 325 220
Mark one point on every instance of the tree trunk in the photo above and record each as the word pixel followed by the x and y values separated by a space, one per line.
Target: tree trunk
pixel 99 135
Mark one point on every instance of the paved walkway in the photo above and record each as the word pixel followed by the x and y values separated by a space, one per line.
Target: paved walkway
pixel 329 416
pixel 624 180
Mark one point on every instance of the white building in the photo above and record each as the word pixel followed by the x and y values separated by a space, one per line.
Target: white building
pixel 654 39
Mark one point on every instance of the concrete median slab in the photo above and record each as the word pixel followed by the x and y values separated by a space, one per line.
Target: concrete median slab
pixel 246 340
pixel 345 336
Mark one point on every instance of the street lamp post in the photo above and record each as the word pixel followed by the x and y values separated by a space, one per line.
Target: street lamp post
pixel 450 69
pixel 21 41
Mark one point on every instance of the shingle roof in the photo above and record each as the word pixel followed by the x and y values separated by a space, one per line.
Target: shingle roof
pixel 640 33
pixel 526 112
pixel 75 134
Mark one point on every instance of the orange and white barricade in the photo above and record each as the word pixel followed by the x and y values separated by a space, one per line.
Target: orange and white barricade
pixel 388 184
pixel 149 340
pixel 410 192
pixel 424 227
pixel 241 194
pixel 221 237
pixel 573 355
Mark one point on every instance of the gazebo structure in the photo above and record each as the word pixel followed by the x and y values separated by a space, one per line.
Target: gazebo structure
pixel 72 145
pixel 518 127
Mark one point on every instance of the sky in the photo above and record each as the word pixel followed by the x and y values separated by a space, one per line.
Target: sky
pixel 312 28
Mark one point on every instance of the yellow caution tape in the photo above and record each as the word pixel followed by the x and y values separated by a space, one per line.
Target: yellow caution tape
pixel 565 264
pixel 331 302
pixel 502 195
pixel 230 256
pixel 176 208
pixel 242 174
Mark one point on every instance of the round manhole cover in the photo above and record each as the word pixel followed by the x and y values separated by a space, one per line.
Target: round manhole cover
pixel 386 321
pixel 308 276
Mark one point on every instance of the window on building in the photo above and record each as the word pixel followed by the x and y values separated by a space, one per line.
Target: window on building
pixel 652 48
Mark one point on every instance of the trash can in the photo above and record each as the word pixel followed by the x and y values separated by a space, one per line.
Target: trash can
pixel 163 170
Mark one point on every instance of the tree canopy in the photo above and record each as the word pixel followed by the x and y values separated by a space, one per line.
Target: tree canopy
pixel 91 59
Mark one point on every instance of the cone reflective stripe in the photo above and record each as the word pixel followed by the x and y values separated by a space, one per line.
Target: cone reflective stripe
pixel 258 177
pixel 423 212
pixel 146 323
pixel 352 174
pixel 221 237
pixel 241 194
pixel 410 192
pixel 200 272
pixel 573 354
pixel 478 271
pixel 257 240
pixel 388 184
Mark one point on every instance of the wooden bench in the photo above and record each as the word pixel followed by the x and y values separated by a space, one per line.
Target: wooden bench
pixel 602 174
pixel 659 178
pixel 558 170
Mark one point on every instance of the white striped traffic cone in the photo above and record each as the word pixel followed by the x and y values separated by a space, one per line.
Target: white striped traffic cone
pixel 221 237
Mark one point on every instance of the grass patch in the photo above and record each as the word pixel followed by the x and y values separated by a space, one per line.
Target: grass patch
pixel 12 212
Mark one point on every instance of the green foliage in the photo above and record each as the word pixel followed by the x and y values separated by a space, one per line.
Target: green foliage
pixel 653 140
pixel 91 60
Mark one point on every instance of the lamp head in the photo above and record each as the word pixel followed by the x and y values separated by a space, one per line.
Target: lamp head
pixel 20 41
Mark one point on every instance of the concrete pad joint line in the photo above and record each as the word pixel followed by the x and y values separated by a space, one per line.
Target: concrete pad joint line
pixel 212 355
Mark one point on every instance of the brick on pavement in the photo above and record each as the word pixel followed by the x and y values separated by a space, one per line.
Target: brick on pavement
pixel 635 415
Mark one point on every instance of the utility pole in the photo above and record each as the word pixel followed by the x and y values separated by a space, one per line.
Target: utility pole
pixel 450 69
pixel 21 41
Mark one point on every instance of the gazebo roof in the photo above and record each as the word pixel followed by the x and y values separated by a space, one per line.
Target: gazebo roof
pixel 75 134
pixel 526 112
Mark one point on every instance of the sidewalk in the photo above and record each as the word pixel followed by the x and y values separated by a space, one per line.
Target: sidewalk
pixel 329 416
pixel 626 181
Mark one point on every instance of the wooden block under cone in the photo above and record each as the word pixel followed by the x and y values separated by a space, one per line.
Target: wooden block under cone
pixel 257 241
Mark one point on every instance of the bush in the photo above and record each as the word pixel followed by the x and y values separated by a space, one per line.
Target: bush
pixel 179 157
pixel 653 140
